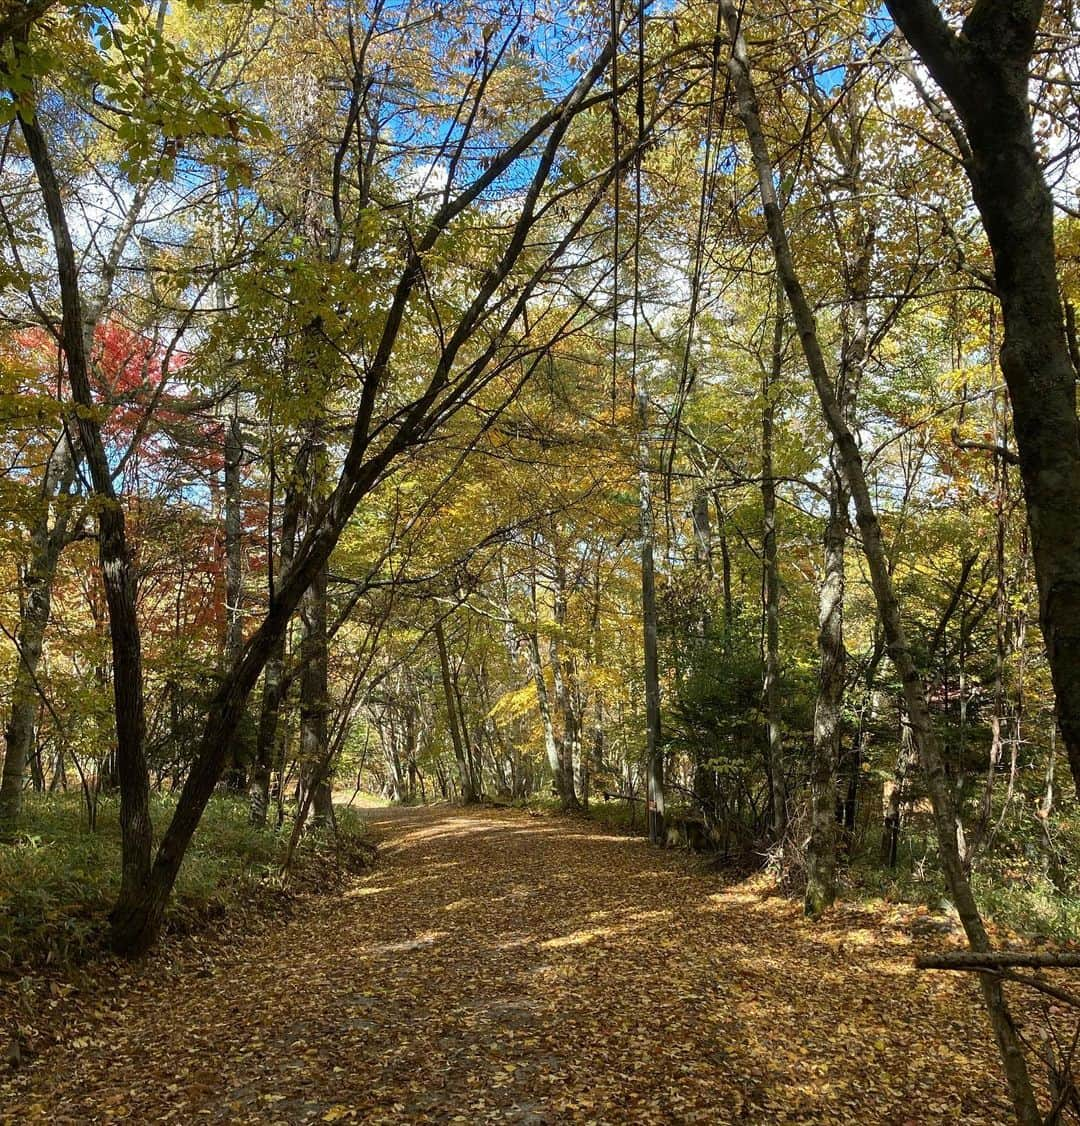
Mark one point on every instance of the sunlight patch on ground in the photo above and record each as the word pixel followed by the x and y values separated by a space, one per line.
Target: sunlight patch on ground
pixel 731 898
pixel 459 904
pixel 654 916
pixel 359 892
pixel 578 938
pixel 420 940
pixel 606 838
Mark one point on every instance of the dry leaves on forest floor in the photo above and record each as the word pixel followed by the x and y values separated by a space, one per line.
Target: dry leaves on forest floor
pixel 500 967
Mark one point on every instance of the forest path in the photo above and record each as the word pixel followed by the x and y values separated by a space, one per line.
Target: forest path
pixel 499 967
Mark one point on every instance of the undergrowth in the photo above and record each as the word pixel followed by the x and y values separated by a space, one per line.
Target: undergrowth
pixel 1024 882
pixel 58 879
pixel 1024 879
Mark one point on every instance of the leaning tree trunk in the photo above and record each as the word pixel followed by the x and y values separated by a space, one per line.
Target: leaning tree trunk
pixel 47 539
pixel 923 735
pixel 114 555
pixel 137 921
pixel 984 71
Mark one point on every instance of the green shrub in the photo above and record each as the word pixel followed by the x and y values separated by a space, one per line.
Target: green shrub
pixel 58 879
pixel 1012 878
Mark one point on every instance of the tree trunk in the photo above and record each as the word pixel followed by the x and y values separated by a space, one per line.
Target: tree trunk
pixel 314 698
pixel 896 796
pixel 470 740
pixel 699 515
pixel 821 846
pixel 770 593
pixel 137 923
pixel 857 259
pixel 410 742
pixel 468 795
pixel 569 746
pixel 273 675
pixel 391 749
pixel 592 763
pixel 234 576
pixel 985 72
pixel 118 573
pixel 47 540
pixel 725 575
pixel 923 734
pixel 564 786
pixel 654 755
pixel 554 749
pixel 266 736
pixel 1001 619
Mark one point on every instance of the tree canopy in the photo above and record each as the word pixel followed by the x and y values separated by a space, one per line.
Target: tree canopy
pixel 667 408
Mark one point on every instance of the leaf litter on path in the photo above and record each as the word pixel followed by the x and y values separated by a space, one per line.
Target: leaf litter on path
pixel 505 968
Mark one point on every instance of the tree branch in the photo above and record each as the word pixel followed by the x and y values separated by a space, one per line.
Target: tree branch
pixel 998 959
pixel 1003 452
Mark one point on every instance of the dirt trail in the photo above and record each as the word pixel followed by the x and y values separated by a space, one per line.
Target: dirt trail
pixel 501 967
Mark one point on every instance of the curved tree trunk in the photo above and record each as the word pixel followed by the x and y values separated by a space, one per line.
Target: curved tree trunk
pixel 137 921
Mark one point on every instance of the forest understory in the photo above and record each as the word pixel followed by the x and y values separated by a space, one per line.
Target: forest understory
pixel 513 410
pixel 497 965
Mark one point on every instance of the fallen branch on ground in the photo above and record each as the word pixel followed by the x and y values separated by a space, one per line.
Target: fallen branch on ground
pixel 998 959
pixel 999 964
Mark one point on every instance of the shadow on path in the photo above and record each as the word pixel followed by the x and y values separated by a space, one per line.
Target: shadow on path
pixel 499 967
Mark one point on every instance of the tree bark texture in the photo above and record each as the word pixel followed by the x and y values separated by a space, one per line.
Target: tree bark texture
pixel 984 72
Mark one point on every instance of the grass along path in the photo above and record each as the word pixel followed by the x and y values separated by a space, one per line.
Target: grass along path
pixel 500 967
